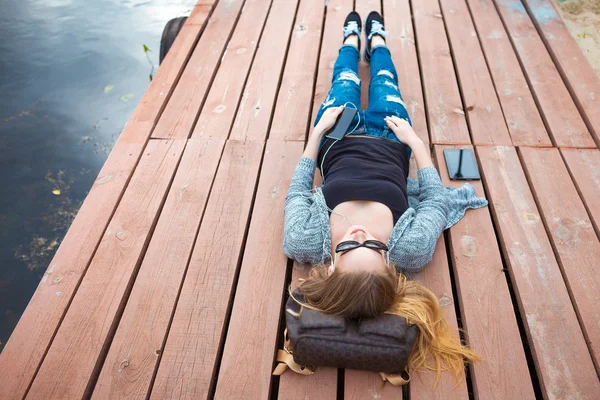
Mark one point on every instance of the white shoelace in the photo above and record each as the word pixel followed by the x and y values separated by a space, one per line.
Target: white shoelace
pixel 350 28
pixel 377 29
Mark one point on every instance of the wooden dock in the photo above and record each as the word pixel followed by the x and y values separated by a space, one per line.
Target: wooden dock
pixel 170 282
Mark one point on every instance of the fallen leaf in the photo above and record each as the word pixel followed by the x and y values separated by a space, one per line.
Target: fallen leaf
pixel 126 97
pixel 56 192
pixel 108 88
pixel 146 48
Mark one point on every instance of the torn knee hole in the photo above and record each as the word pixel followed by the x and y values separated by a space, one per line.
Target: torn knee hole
pixel 395 99
pixel 385 72
pixel 349 76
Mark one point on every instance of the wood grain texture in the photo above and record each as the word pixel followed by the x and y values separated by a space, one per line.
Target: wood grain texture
pixel 447 123
pixel 368 385
pixel 401 42
pixel 520 111
pixel 584 166
pixel 200 12
pixel 141 332
pixel 322 385
pixel 184 105
pixel 488 317
pixel 484 114
pixel 337 10
pixel 578 74
pixel 294 100
pixel 258 99
pixel 248 356
pixel 93 314
pixel 219 109
pixel 555 103
pixel 364 7
pixel 562 360
pixel 436 277
pixel 33 334
pixel 161 87
pixel 188 360
pixel 570 229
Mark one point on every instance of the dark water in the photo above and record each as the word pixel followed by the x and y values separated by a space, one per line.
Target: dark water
pixel 71 74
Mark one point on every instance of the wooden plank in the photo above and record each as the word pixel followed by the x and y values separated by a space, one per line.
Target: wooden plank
pixel 401 42
pixel 161 87
pixel 322 385
pixel 562 360
pixel 584 166
pixel 94 312
pixel 488 317
pixel 558 110
pixel 337 10
pixel 182 109
pixel 446 117
pixel 200 12
pixel 29 341
pixel 572 234
pixel 188 360
pixel 248 356
pixel 219 109
pixel 520 111
pixel 436 277
pixel 258 99
pixel 143 326
pixel 364 7
pixel 484 114
pixel 578 74
pixel 290 121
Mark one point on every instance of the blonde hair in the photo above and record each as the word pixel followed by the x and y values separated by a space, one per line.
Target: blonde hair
pixel 372 293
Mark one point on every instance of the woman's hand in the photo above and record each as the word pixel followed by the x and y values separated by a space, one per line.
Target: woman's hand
pixel 403 131
pixel 327 121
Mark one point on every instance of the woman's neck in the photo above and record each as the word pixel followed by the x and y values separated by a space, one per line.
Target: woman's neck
pixel 376 217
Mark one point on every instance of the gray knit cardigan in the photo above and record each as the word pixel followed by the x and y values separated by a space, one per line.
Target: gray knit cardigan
pixel 432 208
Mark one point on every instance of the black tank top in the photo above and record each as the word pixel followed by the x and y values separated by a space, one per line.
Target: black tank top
pixel 359 168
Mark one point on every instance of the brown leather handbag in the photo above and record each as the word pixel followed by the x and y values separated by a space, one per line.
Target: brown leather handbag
pixel 381 344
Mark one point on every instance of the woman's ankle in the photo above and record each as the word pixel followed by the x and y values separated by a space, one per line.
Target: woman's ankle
pixel 377 41
pixel 352 40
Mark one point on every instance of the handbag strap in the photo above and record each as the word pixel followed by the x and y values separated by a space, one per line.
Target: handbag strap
pixel 286 360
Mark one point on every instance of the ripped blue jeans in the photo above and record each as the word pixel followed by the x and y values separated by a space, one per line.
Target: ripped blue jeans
pixel 384 95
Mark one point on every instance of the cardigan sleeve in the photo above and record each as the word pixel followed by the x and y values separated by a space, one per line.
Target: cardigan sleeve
pixel 414 249
pixel 302 233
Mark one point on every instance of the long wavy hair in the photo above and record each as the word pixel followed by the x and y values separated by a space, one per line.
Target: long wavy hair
pixel 372 293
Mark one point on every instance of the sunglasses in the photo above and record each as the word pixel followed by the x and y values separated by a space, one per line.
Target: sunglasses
pixel 348 245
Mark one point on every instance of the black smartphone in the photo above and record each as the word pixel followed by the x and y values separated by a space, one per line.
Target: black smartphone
pixel 342 124
pixel 461 164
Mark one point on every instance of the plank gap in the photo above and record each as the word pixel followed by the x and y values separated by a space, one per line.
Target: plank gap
pixel 215 375
pixel 555 59
pixel 216 70
pixel 419 63
pixel 526 75
pixel 462 102
pixel 535 381
pixel 119 313
pixel 164 342
pixel 275 379
pixel 283 66
pixel 457 310
pixel 315 74
pixel 557 254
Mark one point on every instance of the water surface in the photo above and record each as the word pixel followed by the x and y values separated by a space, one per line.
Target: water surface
pixel 71 74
